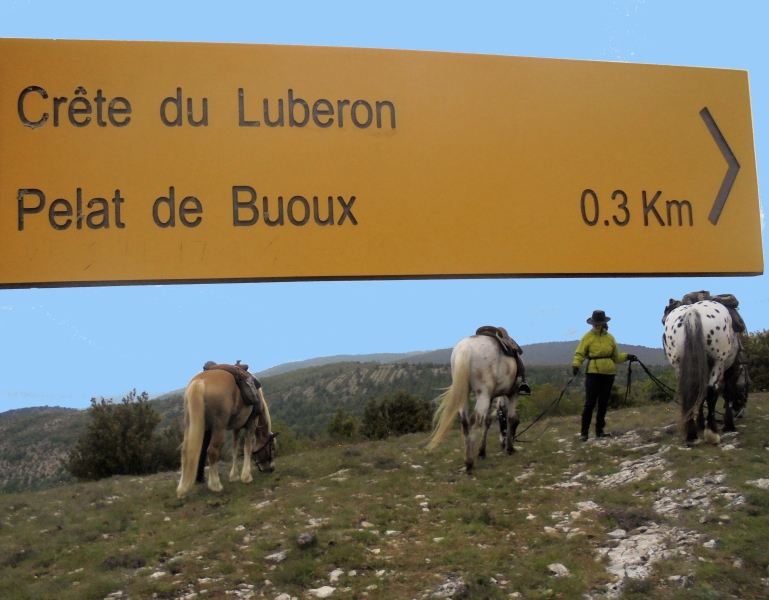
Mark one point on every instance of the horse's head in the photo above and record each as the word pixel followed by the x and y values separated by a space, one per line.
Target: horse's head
pixel 741 389
pixel 264 455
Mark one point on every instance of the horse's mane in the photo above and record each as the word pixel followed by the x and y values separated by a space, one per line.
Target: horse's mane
pixel 263 422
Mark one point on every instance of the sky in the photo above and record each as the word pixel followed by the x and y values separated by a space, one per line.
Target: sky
pixel 64 346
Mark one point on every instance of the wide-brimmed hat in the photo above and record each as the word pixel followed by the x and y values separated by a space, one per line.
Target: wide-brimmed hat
pixel 599 317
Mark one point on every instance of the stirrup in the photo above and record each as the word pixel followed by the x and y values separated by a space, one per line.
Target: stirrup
pixel 524 389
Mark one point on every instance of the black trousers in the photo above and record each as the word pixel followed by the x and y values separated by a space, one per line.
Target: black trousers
pixel 597 390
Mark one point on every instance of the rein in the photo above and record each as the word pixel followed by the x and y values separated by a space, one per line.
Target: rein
pixel 255 453
pixel 669 392
pixel 543 413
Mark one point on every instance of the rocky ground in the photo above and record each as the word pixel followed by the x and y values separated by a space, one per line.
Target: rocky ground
pixel 636 515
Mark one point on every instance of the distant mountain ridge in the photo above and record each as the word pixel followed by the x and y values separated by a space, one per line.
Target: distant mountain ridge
pixel 546 353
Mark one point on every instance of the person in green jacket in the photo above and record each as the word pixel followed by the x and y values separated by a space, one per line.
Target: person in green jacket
pixel 599 348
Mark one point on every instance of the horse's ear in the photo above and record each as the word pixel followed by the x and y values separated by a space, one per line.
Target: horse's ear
pixel 274 435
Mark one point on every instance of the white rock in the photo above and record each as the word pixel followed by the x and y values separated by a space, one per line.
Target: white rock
pixel 588 505
pixel 352 573
pixel 335 575
pixel 711 544
pixel 618 534
pixel 762 484
pixel 392 533
pixel 158 574
pixel 240 528
pixel 366 525
pixel 530 517
pixel 727 447
pixel 283 597
pixel 437 539
pixel 322 592
pixel 558 570
pixel 278 557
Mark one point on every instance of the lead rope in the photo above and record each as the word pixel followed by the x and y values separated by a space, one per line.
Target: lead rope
pixel 543 413
pixel 669 392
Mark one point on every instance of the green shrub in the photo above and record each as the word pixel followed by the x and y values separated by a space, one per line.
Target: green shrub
pixel 756 347
pixel 288 442
pixel 121 440
pixel 341 426
pixel 396 415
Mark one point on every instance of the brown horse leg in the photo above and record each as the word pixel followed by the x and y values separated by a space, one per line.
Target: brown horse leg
pixel 235 448
pixel 201 475
pixel 728 416
pixel 711 432
pixel 217 439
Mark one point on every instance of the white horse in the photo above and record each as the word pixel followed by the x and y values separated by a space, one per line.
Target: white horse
pixel 478 365
pixel 702 347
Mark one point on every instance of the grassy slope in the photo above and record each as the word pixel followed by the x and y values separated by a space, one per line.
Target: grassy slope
pixel 306 399
pixel 55 542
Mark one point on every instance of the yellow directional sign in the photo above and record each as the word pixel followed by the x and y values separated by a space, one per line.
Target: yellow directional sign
pixel 126 162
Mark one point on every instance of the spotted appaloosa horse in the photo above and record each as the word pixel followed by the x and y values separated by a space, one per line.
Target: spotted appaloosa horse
pixel 478 365
pixel 702 347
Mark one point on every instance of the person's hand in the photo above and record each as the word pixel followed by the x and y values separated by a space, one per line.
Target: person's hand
pixel 632 357
pixel 575 370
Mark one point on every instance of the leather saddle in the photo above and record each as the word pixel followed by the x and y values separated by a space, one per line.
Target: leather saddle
pixel 506 343
pixel 247 383
pixel 727 300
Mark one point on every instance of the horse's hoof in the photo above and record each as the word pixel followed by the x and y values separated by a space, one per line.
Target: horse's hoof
pixel 468 469
pixel 234 477
pixel 712 438
pixel 482 454
pixel 248 479
pixel 218 488
pixel 692 443
pixel 511 451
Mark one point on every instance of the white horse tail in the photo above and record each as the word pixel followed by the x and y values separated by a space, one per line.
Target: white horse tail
pixel 194 429
pixel 694 369
pixel 452 399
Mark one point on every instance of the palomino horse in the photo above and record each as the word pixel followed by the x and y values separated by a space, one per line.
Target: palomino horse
pixel 702 347
pixel 212 405
pixel 478 365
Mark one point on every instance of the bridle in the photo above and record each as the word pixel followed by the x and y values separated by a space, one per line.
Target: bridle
pixel 267 445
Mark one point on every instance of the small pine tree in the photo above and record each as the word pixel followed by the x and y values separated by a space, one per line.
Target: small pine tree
pixel 341 426
pixel 121 440
pixel 374 421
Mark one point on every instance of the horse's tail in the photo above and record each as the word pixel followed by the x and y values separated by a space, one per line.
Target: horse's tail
pixel 694 371
pixel 452 399
pixel 194 429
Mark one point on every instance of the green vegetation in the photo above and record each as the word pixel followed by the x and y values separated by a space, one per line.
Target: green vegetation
pixel 396 415
pixel 756 347
pixel 399 521
pixel 120 439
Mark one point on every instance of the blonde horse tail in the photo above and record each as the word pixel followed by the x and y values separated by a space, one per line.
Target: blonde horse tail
pixel 452 399
pixel 194 429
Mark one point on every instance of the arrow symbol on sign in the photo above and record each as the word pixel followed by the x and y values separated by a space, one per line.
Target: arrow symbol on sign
pixel 731 160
